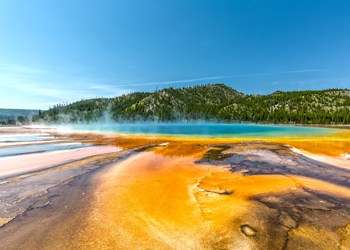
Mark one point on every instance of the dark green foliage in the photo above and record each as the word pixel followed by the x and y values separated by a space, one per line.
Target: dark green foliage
pixel 200 102
pixel 304 107
pixel 211 102
pixel 123 106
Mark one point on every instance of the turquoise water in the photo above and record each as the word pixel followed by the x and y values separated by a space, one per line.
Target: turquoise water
pixel 214 130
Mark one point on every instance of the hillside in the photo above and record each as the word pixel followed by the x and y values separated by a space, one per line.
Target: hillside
pixel 200 102
pixel 319 107
pixel 211 102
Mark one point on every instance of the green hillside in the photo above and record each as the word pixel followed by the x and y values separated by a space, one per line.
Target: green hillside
pixel 318 107
pixel 200 102
pixel 211 102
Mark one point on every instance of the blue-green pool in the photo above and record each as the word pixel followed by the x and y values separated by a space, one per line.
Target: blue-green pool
pixel 212 130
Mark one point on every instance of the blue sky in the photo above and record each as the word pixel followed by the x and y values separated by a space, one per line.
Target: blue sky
pixel 62 51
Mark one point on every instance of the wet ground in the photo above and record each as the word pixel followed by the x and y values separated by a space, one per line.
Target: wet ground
pixel 173 193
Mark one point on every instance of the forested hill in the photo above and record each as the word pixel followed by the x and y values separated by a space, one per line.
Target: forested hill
pixel 210 102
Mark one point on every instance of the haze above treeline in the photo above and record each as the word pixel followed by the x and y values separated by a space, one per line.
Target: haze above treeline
pixel 211 102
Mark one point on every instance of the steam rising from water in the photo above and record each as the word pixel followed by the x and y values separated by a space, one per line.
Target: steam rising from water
pixel 198 129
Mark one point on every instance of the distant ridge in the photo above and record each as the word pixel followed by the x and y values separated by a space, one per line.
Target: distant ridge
pixel 217 102
pixel 14 115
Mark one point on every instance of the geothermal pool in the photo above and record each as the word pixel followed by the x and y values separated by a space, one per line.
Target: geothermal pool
pixel 174 186
pixel 207 130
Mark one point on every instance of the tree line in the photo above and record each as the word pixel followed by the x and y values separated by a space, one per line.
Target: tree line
pixel 210 102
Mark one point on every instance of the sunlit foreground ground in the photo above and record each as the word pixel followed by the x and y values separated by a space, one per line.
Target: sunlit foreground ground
pixel 184 193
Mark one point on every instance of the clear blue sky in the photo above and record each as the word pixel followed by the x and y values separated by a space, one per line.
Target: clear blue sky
pixel 63 50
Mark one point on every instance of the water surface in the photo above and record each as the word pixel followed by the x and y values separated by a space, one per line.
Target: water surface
pixel 20 150
pixel 211 130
